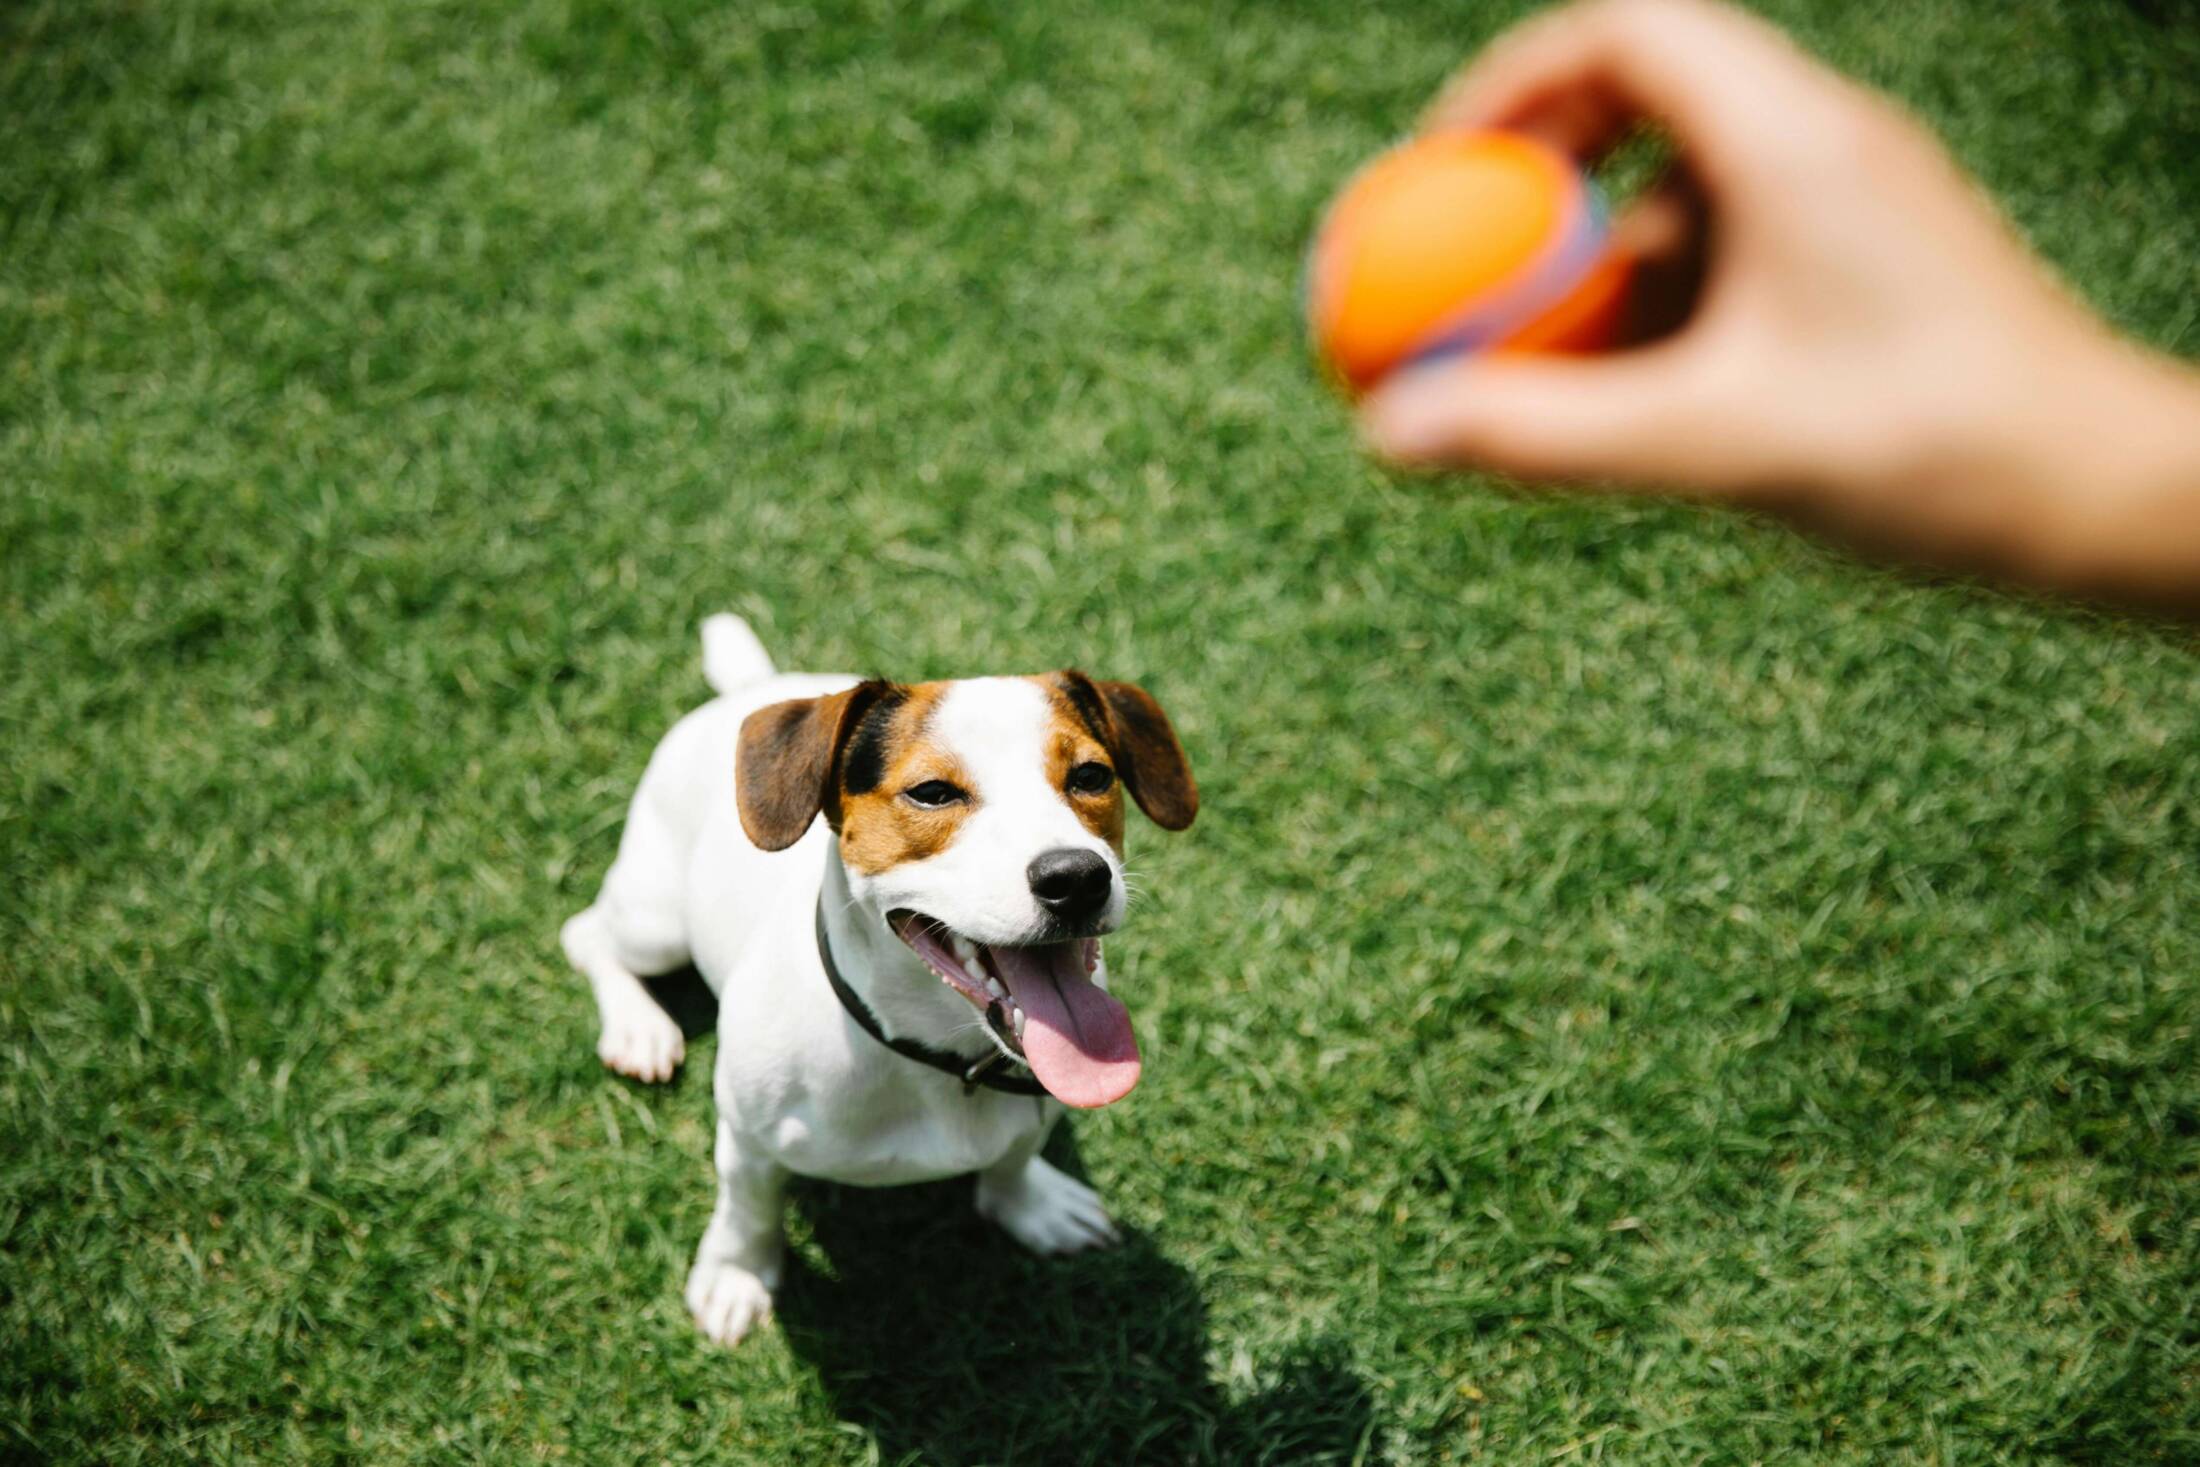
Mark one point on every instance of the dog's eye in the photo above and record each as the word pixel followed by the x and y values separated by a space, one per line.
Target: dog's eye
pixel 934 794
pixel 1091 778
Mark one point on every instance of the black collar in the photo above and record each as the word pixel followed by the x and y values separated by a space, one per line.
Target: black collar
pixel 988 1070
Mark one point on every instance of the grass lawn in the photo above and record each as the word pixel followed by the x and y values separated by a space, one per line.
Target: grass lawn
pixel 1642 988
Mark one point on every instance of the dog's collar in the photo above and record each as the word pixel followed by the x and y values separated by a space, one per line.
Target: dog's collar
pixel 987 1070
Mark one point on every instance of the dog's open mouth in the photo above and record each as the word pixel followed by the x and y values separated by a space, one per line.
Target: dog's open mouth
pixel 1042 1003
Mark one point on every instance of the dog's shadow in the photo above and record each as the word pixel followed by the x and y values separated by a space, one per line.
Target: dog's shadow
pixel 933 1331
pixel 930 1329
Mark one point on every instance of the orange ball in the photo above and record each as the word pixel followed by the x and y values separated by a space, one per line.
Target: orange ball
pixel 1461 242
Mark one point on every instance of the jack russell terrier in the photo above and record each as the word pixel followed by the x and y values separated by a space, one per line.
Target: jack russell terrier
pixel 910 987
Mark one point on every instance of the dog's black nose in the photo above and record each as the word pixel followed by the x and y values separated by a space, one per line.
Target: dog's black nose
pixel 1071 884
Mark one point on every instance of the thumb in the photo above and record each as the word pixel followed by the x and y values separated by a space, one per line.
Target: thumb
pixel 1636 419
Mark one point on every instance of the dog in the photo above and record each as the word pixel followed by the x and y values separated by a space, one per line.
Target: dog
pixel 898 894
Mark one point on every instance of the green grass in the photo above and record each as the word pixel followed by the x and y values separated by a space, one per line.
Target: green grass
pixel 1642 989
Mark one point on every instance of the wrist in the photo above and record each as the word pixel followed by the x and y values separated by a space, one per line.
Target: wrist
pixel 2067 460
pixel 2112 461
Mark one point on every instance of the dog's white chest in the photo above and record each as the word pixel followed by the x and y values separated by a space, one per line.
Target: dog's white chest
pixel 840 1106
pixel 890 1142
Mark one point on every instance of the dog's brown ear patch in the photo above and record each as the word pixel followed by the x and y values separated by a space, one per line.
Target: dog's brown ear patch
pixel 785 769
pixel 1148 758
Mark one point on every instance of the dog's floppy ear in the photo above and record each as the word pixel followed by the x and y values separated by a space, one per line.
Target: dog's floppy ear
pixel 1125 717
pixel 786 768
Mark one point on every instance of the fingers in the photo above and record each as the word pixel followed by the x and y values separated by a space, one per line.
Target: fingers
pixel 1743 104
pixel 1581 75
pixel 1643 418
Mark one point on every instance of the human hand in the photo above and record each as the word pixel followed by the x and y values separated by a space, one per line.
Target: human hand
pixel 1860 339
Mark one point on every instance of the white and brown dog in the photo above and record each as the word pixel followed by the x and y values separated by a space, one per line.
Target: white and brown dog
pixel 897 893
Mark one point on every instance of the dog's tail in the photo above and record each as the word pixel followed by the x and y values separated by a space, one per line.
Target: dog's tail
pixel 732 656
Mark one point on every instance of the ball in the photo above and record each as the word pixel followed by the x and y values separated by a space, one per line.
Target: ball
pixel 1461 242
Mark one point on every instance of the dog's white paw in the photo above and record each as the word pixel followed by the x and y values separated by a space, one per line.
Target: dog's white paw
pixel 641 1043
pixel 727 1301
pixel 1048 1211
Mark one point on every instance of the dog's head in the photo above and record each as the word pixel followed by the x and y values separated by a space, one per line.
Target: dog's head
pixel 982 822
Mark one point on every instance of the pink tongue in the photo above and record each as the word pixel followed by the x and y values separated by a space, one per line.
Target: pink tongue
pixel 1077 1035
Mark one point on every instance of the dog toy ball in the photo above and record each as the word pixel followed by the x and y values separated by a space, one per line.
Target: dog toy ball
pixel 1461 242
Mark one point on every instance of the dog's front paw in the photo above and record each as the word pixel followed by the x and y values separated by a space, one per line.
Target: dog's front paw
pixel 642 1043
pixel 1046 1210
pixel 727 1301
